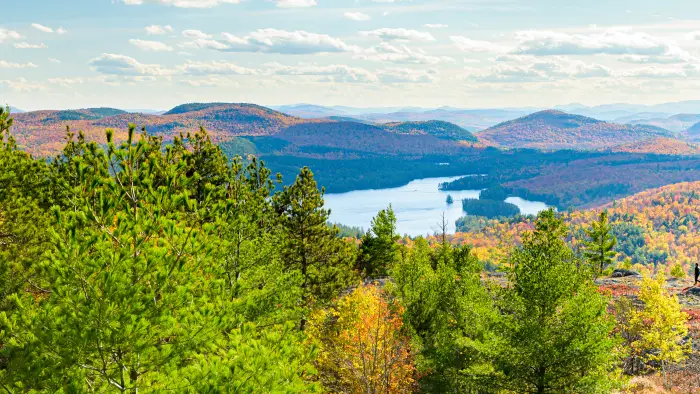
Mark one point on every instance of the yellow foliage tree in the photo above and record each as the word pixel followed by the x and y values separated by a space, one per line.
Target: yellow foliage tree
pixel 660 324
pixel 362 347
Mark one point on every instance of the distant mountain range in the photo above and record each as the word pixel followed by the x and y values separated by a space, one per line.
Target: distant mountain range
pixel 552 129
pixel 250 128
pixel 41 132
pixel 676 123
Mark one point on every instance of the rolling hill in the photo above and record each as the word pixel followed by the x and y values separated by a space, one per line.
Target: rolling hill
pixel 659 145
pixel 693 133
pixel 42 132
pixel 552 129
pixel 437 128
pixel 675 123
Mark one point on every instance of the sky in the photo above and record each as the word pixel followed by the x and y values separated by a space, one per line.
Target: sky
pixel 155 54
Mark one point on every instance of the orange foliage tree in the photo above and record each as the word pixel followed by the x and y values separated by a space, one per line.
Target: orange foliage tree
pixel 362 348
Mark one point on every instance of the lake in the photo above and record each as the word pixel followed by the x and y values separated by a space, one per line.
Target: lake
pixel 418 206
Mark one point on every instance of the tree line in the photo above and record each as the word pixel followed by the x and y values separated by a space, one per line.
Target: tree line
pixel 144 266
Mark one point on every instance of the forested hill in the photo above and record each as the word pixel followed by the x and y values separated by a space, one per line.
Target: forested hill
pixel 42 132
pixel 661 146
pixel 693 133
pixel 656 227
pixel 553 129
pixel 438 128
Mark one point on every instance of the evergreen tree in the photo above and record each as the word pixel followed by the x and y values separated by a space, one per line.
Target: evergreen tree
pixel 379 250
pixel 553 334
pixel 309 247
pixel 447 311
pixel 599 250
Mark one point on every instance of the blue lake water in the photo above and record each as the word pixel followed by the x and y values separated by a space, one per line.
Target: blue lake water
pixel 418 205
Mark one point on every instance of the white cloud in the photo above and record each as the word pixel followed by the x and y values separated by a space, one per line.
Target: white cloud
pixel 475 46
pixel 400 34
pixel 387 52
pixel 611 42
pixel 114 64
pixel 183 3
pixel 407 75
pixel 54 60
pixel 196 34
pixel 6 34
pixel 653 72
pixel 296 3
pixel 66 82
pixel 357 16
pixel 22 85
pixel 205 43
pixel 335 72
pixel 214 68
pixel 694 35
pixel 527 68
pixel 208 82
pixel 5 64
pixel 152 46
pixel 43 28
pixel 435 26
pixel 283 42
pixel 157 29
pixel 47 29
pixel 26 45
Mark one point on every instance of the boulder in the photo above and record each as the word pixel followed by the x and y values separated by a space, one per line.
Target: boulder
pixel 695 290
pixel 621 273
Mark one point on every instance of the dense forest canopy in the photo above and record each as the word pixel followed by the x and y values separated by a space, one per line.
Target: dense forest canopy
pixel 146 266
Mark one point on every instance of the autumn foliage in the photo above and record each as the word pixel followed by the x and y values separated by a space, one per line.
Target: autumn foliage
pixel 362 345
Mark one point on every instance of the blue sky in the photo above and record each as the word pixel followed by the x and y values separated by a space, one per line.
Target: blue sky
pixel 154 54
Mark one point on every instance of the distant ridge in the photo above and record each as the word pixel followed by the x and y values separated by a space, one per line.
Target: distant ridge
pixel 42 132
pixel 437 128
pixel 661 146
pixel 554 129
pixel 693 133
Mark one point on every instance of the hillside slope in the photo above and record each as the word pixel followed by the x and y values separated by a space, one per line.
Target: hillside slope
pixel 42 132
pixel 693 133
pixel 553 129
pixel 440 129
pixel 675 123
pixel 661 146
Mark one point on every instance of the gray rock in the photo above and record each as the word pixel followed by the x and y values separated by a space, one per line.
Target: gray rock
pixel 621 273
pixel 695 290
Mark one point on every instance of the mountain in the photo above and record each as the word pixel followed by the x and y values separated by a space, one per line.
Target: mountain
pixel 14 110
pixel 471 120
pixel 552 129
pixel 659 145
pixel 267 130
pixel 675 123
pixel 310 111
pixel 693 132
pixel 437 128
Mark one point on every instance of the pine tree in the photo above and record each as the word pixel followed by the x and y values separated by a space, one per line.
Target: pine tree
pixel 447 312
pixel 379 250
pixel 599 250
pixel 553 334
pixel 309 246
